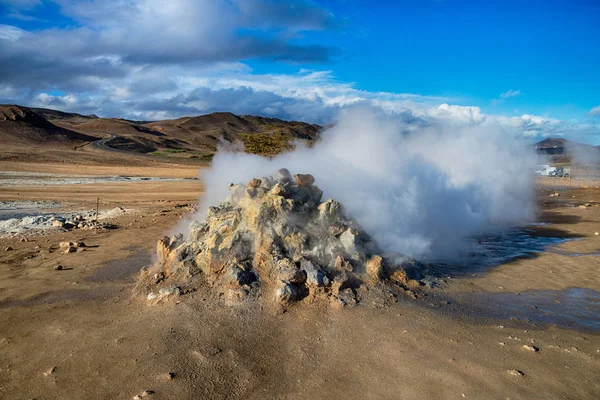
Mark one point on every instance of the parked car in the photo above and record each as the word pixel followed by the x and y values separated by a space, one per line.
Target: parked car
pixel 561 172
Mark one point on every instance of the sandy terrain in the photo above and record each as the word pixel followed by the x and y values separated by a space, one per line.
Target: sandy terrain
pixel 77 332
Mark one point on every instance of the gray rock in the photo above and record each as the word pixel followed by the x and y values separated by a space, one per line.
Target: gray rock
pixel 315 276
pixel 286 294
pixel 283 176
pixel 294 276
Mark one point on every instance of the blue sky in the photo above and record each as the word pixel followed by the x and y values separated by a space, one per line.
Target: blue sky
pixel 530 65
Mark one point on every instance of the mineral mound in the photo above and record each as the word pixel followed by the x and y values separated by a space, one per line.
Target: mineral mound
pixel 275 238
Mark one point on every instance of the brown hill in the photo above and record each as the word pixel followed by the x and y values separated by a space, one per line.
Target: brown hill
pixel 189 137
pixel 55 115
pixel 21 126
pixel 264 136
pixel 560 150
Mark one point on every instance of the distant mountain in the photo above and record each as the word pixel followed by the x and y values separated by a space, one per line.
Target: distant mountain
pixel 563 151
pixel 22 126
pixel 264 136
pixel 196 136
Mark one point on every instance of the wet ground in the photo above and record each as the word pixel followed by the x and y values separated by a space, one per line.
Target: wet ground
pixel 574 308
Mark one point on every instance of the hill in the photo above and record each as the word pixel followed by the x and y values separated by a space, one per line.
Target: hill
pixel 186 137
pixel 263 136
pixel 561 150
pixel 21 126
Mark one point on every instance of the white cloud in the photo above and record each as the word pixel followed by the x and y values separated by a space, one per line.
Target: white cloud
pixel 511 93
pixel 11 33
pixel 594 111
pixel 150 59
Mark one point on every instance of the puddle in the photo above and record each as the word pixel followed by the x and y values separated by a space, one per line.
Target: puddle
pixel 574 308
pixel 121 270
pixel 494 250
pixel 43 179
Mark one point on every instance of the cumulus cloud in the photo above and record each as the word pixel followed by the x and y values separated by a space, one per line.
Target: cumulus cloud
pixel 150 59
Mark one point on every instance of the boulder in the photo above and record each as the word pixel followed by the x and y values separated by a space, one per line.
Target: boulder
pixel 304 180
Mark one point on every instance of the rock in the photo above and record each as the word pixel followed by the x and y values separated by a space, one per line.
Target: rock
pixel 280 190
pixel 294 276
pixel 533 349
pixel 330 211
pixel 24 240
pixel 516 372
pixel 50 371
pixel 350 240
pixel 314 275
pixel 57 224
pixel 143 394
pixel 272 239
pixel 596 233
pixel 237 276
pixel 254 183
pixel 304 179
pixel 399 275
pixel 286 294
pixel 375 268
pixel 338 282
pixel 158 277
pixel 413 283
pixel 8 248
pixel 163 248
pixel 341 264
pixel 283 176
pixel 163 294
pixel 58 267
pixel 70 249
pixel 80 244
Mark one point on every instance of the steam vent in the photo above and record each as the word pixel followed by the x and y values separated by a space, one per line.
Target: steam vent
pixel 275 239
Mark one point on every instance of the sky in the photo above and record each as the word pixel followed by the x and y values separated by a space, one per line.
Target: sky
pixel 528 66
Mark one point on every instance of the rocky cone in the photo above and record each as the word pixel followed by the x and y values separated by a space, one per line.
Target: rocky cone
pixel 275 238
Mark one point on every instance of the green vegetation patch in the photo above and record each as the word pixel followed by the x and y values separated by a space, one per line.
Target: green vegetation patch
pixel 266 144
pixel 166 152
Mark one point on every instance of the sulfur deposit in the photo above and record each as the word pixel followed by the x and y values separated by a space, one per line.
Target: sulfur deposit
pixel 276 239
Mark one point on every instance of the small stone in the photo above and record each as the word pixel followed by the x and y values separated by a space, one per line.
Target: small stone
pixel 516 372
pixel 50 371
pixel 596 233
pixel 254 183
pixel 24 240
pixel 58 267
pixel 8 248
pixel 80 244
pixel 286 294
pixel 70 249
pixel 533 349
pixel 304 179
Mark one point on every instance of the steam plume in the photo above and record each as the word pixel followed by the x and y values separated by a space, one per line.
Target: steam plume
pixel 422 192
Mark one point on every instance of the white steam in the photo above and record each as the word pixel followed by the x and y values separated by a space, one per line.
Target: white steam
pixel 423 192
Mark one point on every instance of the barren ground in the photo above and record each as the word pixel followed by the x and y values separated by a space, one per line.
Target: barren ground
pixel 77 333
